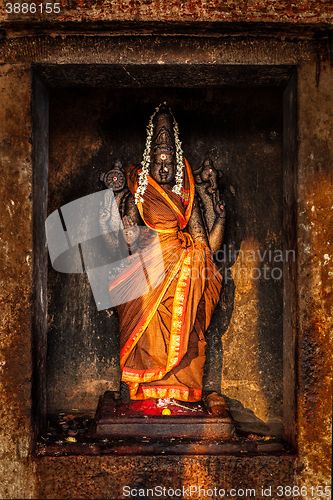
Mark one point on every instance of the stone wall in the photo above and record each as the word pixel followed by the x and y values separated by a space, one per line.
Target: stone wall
pixel 231 11
pixel 17 477
pixel 307 363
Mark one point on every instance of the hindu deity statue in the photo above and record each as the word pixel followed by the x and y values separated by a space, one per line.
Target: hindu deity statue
pixel 162 332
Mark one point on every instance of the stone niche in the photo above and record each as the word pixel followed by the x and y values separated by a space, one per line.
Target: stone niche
pixel 243 118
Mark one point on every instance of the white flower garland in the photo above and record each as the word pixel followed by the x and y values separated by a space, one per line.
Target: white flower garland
pixel 179 159
pixel 143 176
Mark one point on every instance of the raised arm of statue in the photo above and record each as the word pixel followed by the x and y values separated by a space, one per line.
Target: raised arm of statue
pixel 196 225
pixel 207 222
pixel 119 217
pixel 131 223
pixel 109 221
pixel 217 233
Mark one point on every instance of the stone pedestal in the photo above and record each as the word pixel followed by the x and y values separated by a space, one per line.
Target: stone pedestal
pixel 115 419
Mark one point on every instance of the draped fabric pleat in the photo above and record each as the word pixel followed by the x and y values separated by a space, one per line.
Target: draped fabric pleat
pixel 162 343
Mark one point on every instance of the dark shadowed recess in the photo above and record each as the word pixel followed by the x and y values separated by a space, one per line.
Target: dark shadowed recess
pixel 98 114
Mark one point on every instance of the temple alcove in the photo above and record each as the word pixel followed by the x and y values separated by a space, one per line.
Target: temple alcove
pixel 240 129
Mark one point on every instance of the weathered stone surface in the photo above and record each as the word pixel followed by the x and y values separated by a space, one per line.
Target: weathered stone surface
pixel 16 470
pixel 61 48
pixel 74 11
pixel 106 477
pixel 21 46
pixel 315 231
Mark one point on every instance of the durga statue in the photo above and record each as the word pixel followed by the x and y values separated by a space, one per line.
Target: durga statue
pixel 162 332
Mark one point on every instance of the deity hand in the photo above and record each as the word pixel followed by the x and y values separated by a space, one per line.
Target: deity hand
pixel 131 230
pixel 105 210
pixel 104 215
pixel 208 175
pixel 219 207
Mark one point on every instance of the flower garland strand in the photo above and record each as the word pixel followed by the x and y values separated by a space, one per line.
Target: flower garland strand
pixel 143 176
pixel 177 188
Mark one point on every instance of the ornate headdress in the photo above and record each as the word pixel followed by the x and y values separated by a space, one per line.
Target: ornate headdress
pixel 163 133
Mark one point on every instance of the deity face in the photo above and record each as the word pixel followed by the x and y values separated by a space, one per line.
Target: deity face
pixel 162 169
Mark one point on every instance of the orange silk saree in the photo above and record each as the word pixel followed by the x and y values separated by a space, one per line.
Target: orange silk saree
pixel 162 343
